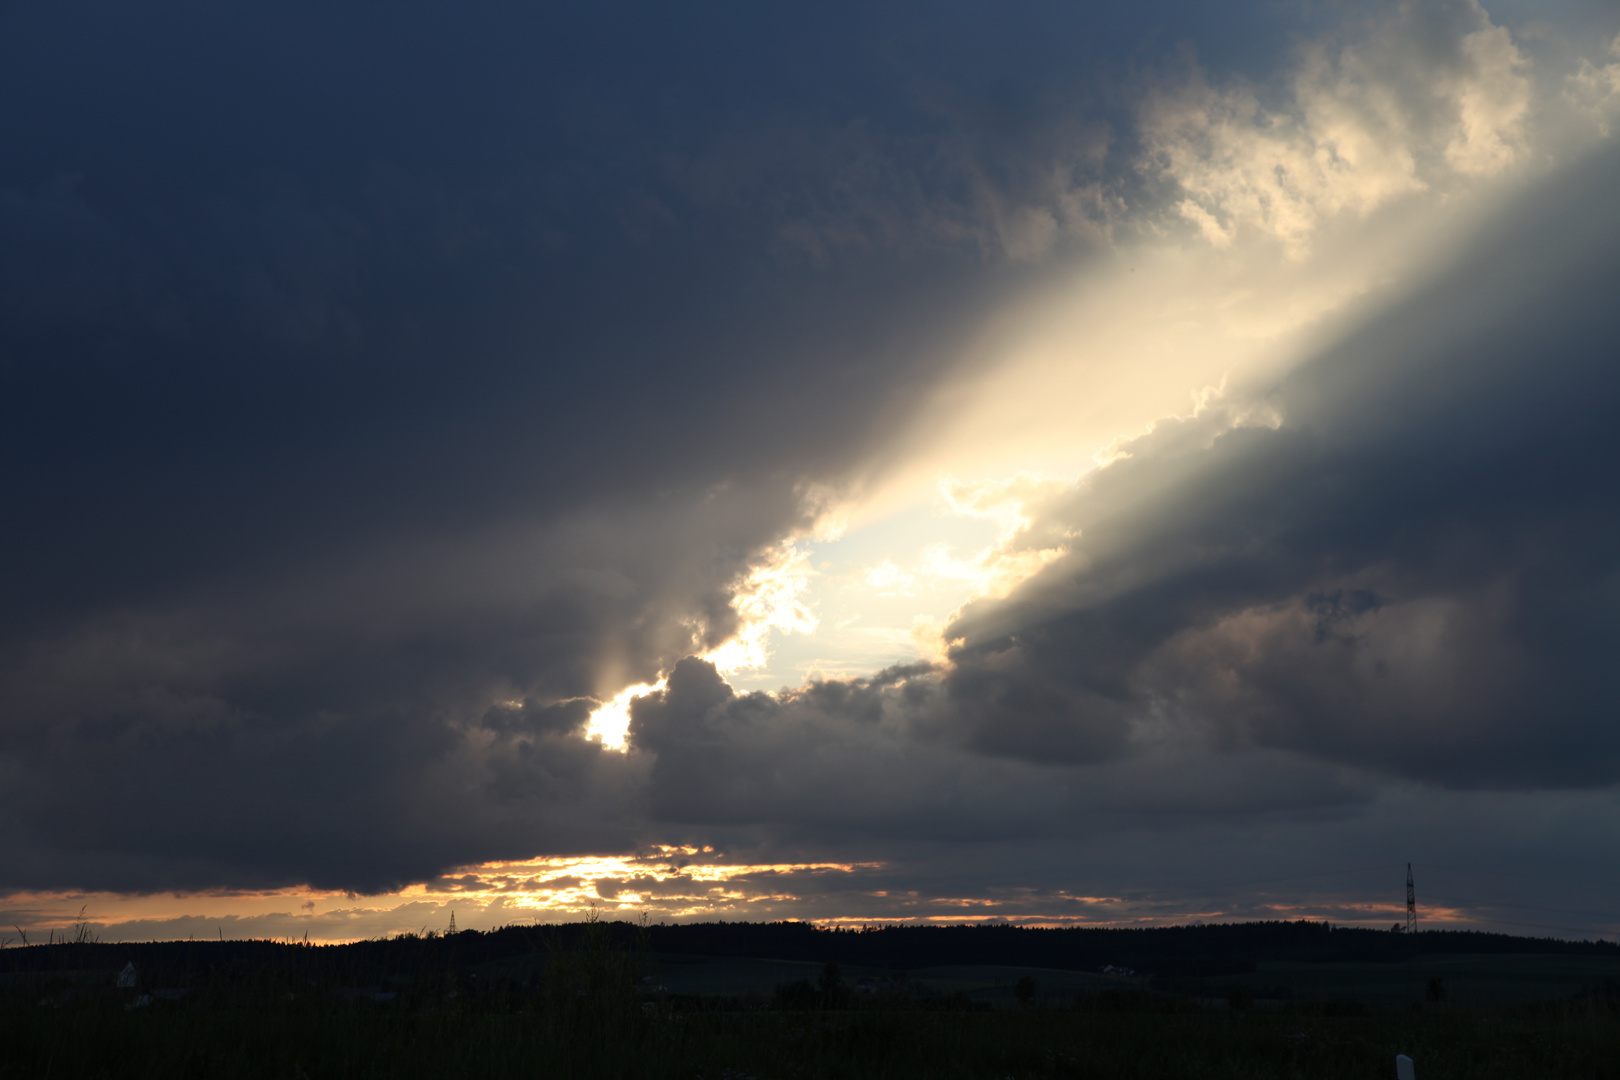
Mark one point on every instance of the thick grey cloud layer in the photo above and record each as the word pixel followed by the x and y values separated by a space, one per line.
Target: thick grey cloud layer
pixel 373 400
pixel 360 375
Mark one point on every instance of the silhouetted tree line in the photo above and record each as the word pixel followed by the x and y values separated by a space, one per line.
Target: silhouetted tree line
pixel 1178 951
pixel 1212 950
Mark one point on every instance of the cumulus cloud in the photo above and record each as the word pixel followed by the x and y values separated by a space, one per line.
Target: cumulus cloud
pixel 1385 110
pixel 1407 569
pixel 1595 89
pixel 907 755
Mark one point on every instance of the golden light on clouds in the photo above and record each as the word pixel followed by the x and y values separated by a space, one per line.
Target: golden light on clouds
pixel 770 598
pixel 1594 89
pixel 611 722
pixel 666 874
pixel 664 882
pixel 1306 204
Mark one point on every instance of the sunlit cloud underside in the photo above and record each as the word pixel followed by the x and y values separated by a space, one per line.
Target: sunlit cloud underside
pixel 667 884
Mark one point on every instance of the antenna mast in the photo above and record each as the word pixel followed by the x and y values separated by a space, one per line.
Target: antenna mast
pixel 1411 902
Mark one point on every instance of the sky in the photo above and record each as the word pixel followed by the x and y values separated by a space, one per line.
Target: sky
pixel 1108 464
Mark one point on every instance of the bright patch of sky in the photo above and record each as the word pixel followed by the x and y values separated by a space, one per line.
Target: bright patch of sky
pixel 880 594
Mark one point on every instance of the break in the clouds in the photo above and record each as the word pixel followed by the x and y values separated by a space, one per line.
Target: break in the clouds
pixel 385 400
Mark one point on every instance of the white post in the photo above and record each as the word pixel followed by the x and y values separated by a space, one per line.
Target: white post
pixel 1403 1068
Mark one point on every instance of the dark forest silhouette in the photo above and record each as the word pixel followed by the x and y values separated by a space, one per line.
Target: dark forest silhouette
pixel 1211 950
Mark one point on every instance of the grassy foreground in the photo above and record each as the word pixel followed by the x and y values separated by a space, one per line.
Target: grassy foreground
pixel 321 1038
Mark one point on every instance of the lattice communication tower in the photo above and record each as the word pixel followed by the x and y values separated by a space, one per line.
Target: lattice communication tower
pixel 1411 902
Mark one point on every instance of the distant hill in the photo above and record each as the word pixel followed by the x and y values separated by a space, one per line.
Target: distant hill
pixel 1217 949
pixel 1223 949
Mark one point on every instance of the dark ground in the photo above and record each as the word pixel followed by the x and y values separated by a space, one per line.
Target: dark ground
pixel 613 1000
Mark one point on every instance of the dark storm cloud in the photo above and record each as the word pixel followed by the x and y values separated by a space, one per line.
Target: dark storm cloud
pixel 1403 556
pixel 878 761
pixel 1396 563
pixel 363 374
pixel 378 393
pixel 277 284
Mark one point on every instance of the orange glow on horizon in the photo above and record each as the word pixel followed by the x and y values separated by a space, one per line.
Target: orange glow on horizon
pixel 662 882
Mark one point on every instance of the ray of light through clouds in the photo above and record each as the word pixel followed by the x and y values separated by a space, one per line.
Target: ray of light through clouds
pixel 1371 116
pixel 1200 572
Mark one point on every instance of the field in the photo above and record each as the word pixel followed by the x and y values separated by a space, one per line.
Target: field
pixel 1466 979
pixel 363 1039
pixel 595 1003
